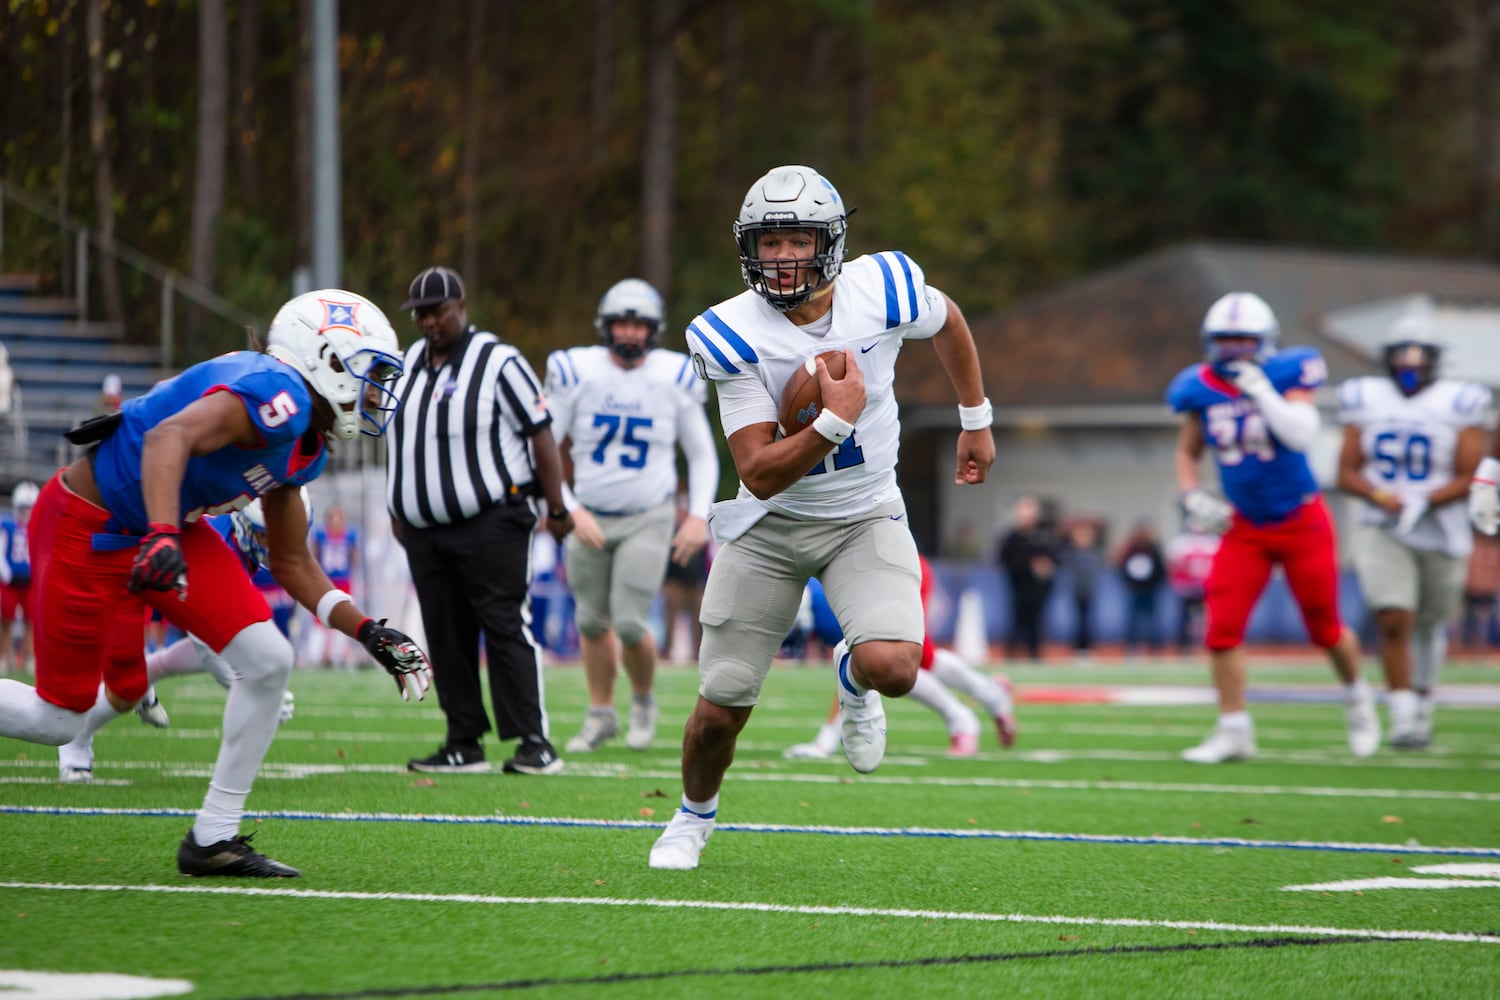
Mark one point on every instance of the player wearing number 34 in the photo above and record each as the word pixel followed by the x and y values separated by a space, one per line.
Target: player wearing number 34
pixel 1252 405
pixel 123 528
pixel 822 501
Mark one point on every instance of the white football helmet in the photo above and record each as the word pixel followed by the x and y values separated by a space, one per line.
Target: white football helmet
pixel 1412 351
pixel 250 527
pixel 791 197
pixel 635 299
pixel 1239 314
pixel 23 497
pixel 345 348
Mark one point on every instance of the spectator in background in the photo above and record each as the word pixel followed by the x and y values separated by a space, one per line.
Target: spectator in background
pixel 111 394
pixel 1028 558
pixel 336 546
pixel 1142 569
pixel 1085 563
pixel 15 578
pixel 7 382
pixel 1479 629
pixel 1190 555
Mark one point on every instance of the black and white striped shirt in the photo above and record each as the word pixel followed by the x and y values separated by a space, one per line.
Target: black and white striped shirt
pixel 460 441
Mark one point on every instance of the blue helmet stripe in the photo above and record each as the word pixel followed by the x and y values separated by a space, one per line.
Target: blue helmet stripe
pixel 744 350
pixel 892 304
pixel 712 348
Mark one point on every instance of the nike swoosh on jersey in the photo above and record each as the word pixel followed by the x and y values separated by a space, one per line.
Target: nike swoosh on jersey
pixel 867 350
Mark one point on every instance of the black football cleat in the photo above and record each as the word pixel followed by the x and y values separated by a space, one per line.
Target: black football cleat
pixel 229 857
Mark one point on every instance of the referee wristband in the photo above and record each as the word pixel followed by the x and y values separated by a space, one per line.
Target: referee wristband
pixel 832 426
pixel 976 418
pixel 329 601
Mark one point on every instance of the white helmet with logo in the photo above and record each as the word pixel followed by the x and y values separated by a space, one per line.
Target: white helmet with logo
pixel 344 346
pixel 250 527
pixel 1239 314
pixel 791 197
pixel 634 299
pixel 23 497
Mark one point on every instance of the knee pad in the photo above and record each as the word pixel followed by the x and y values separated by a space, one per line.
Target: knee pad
pixel 590 626
pixel 259 654
pixel 730 684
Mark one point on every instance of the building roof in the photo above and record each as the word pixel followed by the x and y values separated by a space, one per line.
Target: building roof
pixel 1116 338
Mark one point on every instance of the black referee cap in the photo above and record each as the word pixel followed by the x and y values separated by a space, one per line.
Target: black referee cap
pixel 432 286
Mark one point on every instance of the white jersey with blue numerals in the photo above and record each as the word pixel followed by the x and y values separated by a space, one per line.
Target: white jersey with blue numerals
pixel 1409 444
pixel 624 424
pixel 879 300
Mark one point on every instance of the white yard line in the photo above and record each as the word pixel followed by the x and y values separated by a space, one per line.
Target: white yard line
pixel 754 907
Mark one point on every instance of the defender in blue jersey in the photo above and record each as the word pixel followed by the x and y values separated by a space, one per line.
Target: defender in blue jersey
pixel 1254 407
pixel 121 529
pixel 16 610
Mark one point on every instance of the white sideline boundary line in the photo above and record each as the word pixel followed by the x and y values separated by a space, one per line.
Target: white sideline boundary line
pixel 968 833
pixel 753 907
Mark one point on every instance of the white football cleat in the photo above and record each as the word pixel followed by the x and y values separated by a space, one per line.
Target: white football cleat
pixel 1364 725
pixel 642 728
pixel 288 708
pixel 149 710
pixel 963 745
pixel 681 843
pixel 861 720
pixel 75 775
pixel 807 751
pixel 1224 744
pixel 597 727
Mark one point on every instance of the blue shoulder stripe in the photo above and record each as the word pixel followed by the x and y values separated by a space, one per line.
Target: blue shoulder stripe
pixel 558 369
pixel 892 304
pixel 744 350
pixel 572 367
pixel 911 284
pixel 685 374
pixel 712 348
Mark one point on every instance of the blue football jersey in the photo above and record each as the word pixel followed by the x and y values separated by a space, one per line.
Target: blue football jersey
pixel 280 405
pixel 13 552
pixel 1264 480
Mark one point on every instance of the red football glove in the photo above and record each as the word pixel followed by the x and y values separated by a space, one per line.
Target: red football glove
pixel 159 564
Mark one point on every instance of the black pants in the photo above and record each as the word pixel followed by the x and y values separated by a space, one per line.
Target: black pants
pixel 1028 602
pixel 473 576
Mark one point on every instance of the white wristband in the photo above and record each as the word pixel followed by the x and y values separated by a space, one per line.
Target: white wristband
pixel 1488 472
pixel 832 426
pixel 976 418
pixel 329 601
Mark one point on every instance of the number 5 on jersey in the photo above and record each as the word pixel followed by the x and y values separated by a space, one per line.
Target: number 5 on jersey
pixel 279 410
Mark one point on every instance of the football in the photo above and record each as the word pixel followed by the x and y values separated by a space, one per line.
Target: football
pixel 802 397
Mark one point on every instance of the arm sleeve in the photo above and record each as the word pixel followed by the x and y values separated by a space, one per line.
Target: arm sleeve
pixel 697 442
pixel 1294 424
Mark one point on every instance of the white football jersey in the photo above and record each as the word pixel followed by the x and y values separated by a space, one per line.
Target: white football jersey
pixel 624 423
pixel 1409 444
pixel 878 301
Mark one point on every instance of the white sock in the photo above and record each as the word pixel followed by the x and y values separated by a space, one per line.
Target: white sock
pixel 1429 648
pixel 1358 691
pixel 644 700
pixel 1235 720
pixel 703 810
pixel 830 735
pixel 845 666
pixel 956 715
pixel 956 672
pixel 79 751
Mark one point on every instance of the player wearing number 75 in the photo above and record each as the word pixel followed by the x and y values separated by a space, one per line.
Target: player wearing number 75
pixel 820 501
pixel 122 528
pixel 1252 405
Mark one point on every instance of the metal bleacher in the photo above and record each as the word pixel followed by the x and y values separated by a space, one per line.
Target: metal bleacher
pixel 59 363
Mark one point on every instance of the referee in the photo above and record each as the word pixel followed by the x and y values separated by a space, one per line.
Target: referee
pixel 470 447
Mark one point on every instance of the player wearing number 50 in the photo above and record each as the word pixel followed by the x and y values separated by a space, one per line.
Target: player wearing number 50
pixel 824 500
pixel 1252 405
pixel 1411 443
pixel 122 527
pixel 622 409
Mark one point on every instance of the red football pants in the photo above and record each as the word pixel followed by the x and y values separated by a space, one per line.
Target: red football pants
pixel 1305 546
pixel 89 625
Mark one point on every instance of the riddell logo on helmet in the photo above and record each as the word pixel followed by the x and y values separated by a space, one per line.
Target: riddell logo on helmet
pixel 779 217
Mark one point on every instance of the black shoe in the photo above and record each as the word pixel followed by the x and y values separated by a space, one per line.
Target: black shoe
pixel 451 760
pixel 229 857
pixel 534 758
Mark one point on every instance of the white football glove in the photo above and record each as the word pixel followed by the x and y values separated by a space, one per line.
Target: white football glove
pixel 1208 512
pixel 1411 512
pixel 1250 378
pixel 1484 507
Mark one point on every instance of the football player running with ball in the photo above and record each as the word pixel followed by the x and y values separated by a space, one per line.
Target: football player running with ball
pixel 1254 407
pixel 122 528
pixel 823 501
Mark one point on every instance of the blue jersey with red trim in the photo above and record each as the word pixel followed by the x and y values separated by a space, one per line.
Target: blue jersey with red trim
pixel 280 406
pixel 1265 480
pixel 336 552
pixel 13 552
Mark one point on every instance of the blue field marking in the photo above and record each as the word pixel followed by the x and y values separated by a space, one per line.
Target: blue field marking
pixel 837 831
